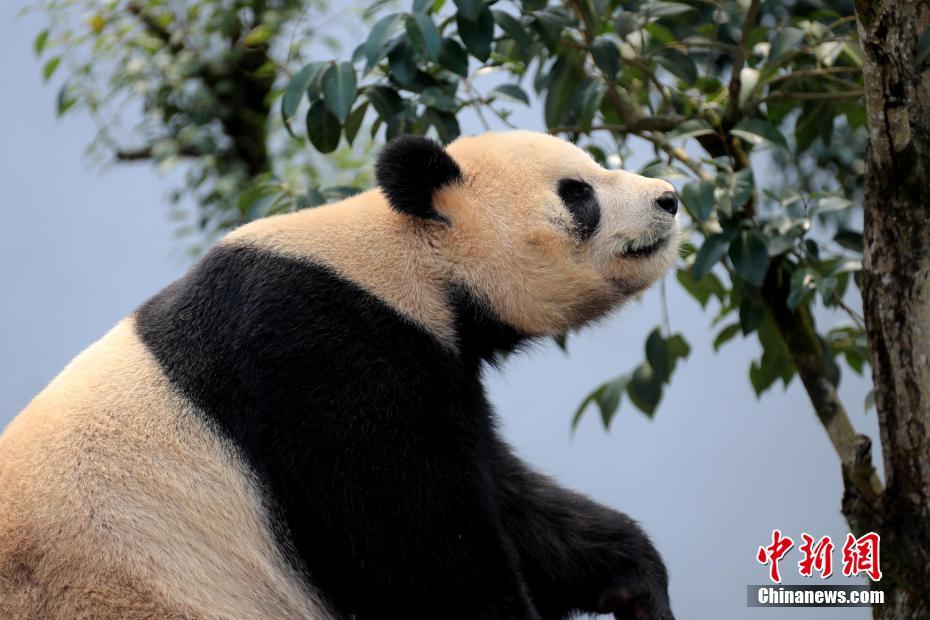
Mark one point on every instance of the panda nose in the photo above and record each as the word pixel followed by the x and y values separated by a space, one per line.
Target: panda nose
pixel 668 202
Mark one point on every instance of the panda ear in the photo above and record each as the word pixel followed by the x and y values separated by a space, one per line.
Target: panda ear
pixel 410 169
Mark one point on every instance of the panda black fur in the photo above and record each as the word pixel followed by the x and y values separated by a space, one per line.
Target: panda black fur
pixel 345 384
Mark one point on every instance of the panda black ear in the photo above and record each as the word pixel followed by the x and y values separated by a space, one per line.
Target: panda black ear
pixel 410 169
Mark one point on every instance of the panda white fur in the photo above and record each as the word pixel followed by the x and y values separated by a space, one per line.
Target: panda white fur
pixel 297 428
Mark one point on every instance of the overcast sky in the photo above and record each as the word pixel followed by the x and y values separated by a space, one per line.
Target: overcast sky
pixel 709 477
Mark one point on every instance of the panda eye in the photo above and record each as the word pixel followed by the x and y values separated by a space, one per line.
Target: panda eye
pixel 581 201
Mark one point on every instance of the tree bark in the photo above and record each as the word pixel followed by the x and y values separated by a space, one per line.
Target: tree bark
pixel 862 487
pixel 896 288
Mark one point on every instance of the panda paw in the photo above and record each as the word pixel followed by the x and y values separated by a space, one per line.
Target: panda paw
pixel 637 599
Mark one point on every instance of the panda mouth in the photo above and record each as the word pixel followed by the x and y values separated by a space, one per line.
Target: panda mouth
pixel 646 251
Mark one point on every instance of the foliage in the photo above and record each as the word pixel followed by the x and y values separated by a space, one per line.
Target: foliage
pixel 193 83
pixel 724 92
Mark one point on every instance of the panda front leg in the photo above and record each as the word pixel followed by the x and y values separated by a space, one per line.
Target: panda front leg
pixel 578 555
pixel 424 544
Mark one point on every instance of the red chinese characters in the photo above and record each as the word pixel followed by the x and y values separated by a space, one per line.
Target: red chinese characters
pixel 860 555
pixel 817 557
pixel 773 553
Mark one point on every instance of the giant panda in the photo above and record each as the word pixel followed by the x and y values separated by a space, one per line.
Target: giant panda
pixel 297 427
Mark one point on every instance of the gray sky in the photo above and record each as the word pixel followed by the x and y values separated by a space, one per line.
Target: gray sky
pixel 709 477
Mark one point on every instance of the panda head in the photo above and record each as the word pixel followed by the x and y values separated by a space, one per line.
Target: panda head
pixel 531 225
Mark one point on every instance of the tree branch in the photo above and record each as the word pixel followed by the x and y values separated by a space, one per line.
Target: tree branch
pixel 134 154
pixel 649 129
pixel 145 152
pixel 662 122
pixel 679 154
pixel 803 96
pixel 739 59
pixel 153 26
pixel 796 328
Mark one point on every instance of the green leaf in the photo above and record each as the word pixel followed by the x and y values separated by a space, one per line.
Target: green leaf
pixel 606 56
pixel 699 199
pixel 254 200
pixel 726 334
pixel 645 389
pixel 339 89
pixel 691 128
pixel 827 287
pixel 296 88
pixel 869 400
pixel 775 362
pixel 374 47
pixel 585 101
pixel 559 16
pixel 785 42
pixel 65 101
pixel 829 204
pixel 761 378
pixel 849 239
pixel 678 64
pixel 558 92
pixel 711 251
pixel 736 190
pixel 399 125
pixel 323 127
pixel 582 408
pixel 815 120
pixel 423 35
pixel 38 45
pixel 477 34
pixel 663 354
pixel 312 198
pixel 803 283
pixel 678 348
pixel 402 64
pixel 445 123
pixel 386 101
pixel 701 289
pixel 665 9
pixel 854 360
pixel 750 256
pixel 470 9
pixel 339 192
pixel 657 355
pixel 842 266
pixel 453 57
pixel 511 91
pixel 435 97
pixel 607 397
pixel 758 131
pixel 514 29
pixel 660 33
pixel 749 79
pixel 48 69
pixel 354 121
pixel 550 23
pixel 257 36
pixel 751 314
pixel 626 23
pixel 608 400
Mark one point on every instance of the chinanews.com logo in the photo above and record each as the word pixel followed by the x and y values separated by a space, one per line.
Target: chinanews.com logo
pixel 859 556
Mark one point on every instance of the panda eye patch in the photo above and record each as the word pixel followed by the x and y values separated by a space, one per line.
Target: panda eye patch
pixel 581 201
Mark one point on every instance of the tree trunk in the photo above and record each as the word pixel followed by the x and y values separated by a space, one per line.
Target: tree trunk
pixel 896 290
